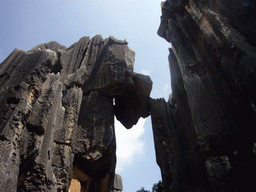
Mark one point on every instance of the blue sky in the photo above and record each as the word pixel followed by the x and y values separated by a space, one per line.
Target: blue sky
pixel 27 23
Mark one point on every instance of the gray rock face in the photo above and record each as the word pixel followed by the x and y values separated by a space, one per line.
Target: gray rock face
pixel 57 113
pixel 118 183
pixel 57 106
pixel 212 109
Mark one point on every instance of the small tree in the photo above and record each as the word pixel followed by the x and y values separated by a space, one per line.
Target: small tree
pixel 158 187
pixel 142 190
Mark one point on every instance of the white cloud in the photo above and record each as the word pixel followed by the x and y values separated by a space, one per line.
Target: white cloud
pixel 166 86
pixel 145 71
pixel 129 143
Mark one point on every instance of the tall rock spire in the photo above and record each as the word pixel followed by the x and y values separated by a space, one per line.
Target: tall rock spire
pixel 209 118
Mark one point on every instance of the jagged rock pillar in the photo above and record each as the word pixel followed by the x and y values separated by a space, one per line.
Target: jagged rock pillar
pixel 213 46
pixel 177 149
pixel 57 113
pixel 94 143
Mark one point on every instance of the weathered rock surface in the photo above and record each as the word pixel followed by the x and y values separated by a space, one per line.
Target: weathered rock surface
pixel 210 115
pixel 57 106
pixel 57 113
pixel 118 183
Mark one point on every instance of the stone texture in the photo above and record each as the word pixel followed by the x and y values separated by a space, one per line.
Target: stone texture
pixel 178 158
pixel 57 114
pixel 57 106
pixel 212 63
pixel 94 142
pixel 133 102
pixel 118 183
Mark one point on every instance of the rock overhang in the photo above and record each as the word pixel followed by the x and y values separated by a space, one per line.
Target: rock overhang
pixel 112 75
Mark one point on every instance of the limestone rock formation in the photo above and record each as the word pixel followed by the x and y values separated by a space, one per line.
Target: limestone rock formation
pixel 57 106
pixel 118 183
pixel 204 135
pixel 57 113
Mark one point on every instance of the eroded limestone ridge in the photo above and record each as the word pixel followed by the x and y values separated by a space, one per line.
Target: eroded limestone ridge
pixel 204 135
pixel 57 113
